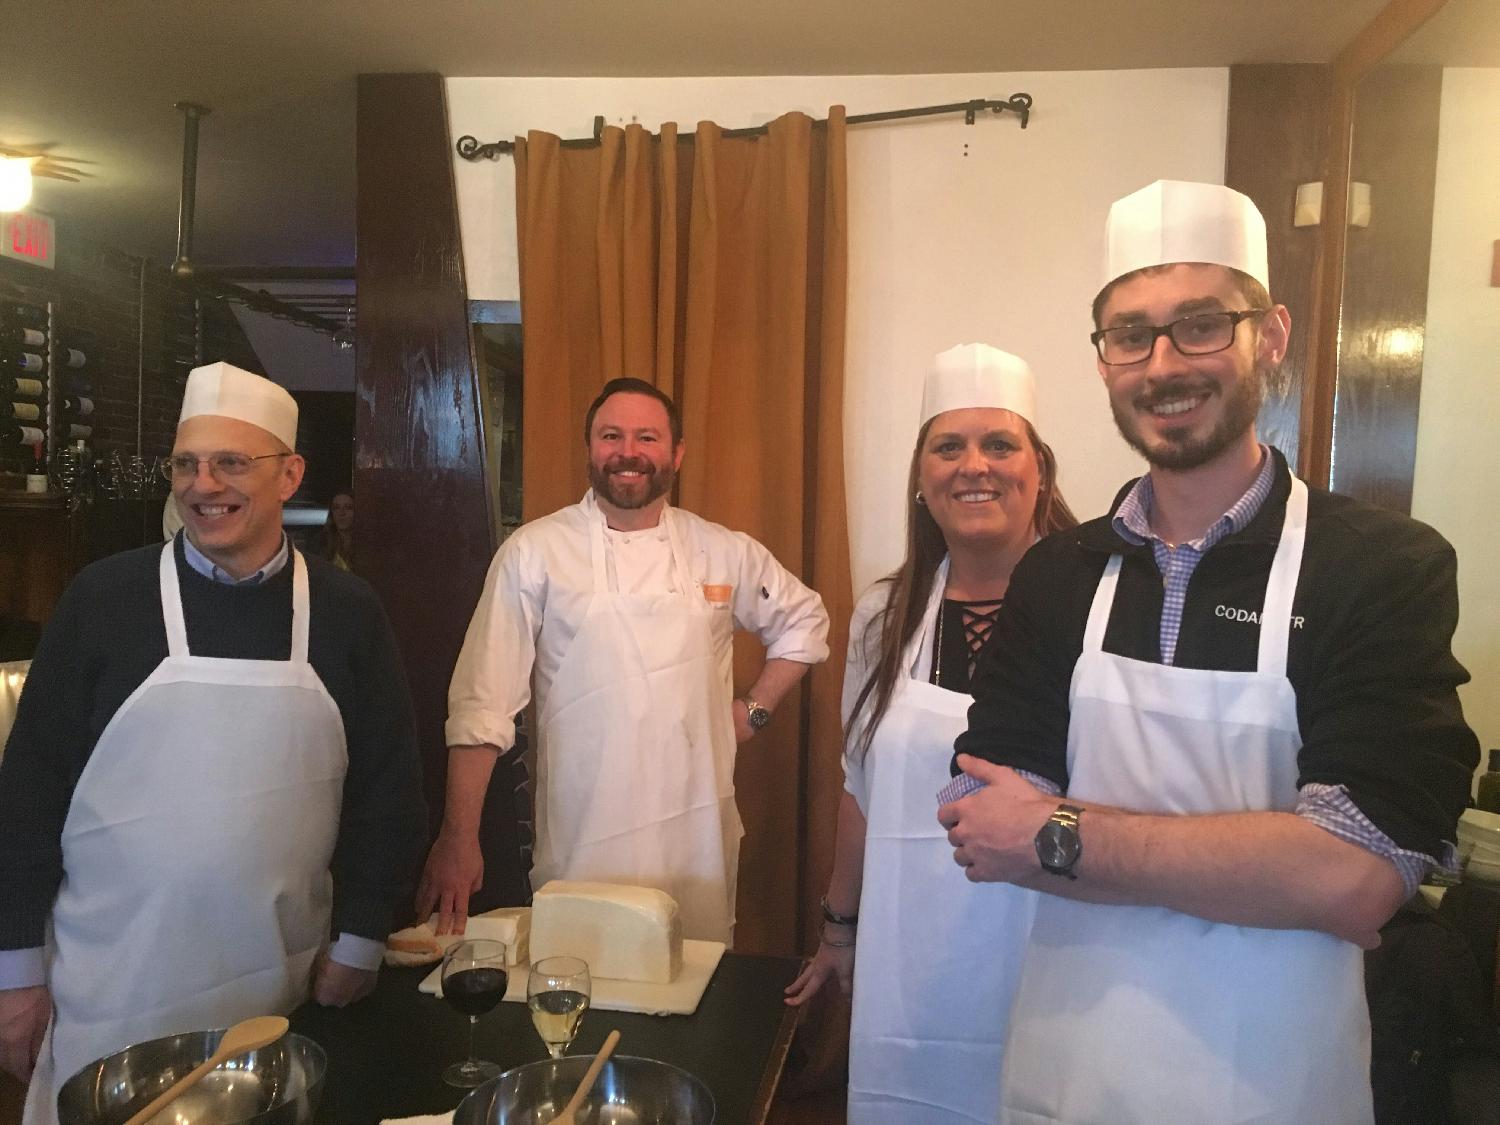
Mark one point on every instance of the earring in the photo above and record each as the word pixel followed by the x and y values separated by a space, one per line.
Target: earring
pixel 919 498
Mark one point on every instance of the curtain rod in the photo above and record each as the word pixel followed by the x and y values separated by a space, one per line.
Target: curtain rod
pixel 1020 104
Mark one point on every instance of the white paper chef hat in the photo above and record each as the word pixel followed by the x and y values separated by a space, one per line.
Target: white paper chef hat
pixel 1175 221
pixel 230 392
pixel 973 375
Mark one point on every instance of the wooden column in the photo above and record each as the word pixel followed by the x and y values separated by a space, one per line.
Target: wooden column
pixel 1275 141
pixel 1383 311
pixel 423 536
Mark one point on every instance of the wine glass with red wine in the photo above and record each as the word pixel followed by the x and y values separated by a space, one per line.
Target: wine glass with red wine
pixel 474 980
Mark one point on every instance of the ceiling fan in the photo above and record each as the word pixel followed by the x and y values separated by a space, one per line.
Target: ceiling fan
pixel 45 164
pixel 19 166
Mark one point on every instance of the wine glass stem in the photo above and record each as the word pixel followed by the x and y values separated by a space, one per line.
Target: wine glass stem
pixel 473 1051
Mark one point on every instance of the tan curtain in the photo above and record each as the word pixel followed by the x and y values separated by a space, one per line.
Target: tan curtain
pixel 714 267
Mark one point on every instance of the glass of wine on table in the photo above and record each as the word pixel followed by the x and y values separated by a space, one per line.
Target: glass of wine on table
pixel 557 992
pixel 474 981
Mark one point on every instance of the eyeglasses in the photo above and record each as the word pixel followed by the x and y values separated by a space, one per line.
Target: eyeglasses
pixel 221 465
pixel 1199 334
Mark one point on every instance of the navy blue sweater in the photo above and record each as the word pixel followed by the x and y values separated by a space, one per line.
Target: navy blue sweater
pixel 107 636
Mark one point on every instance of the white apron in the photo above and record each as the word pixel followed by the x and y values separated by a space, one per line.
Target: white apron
pixel 1141 1014
pixel 636 747
pixel 196 889
pixel 938 957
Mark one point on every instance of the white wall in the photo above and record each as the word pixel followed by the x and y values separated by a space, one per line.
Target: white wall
pixel 1458 458
pixel 957 233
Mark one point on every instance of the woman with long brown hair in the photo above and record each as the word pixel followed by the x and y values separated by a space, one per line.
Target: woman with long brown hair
pixel 338 532
pixel 937 957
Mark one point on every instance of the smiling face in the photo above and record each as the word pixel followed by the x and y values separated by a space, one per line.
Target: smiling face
pixel 632 462
pixel 979 476
pixel 1178 411
pixel 235 521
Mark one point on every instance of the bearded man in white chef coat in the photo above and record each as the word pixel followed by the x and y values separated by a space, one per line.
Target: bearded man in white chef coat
pixel 1244 692
pixel 621 610
pixel 210 802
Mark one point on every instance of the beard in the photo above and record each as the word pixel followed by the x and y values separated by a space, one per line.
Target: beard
pixel 654 484
pixel 1179 449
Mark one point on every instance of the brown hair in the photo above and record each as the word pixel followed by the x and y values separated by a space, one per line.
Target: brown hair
pixel 634 387
pixel 1250 289
pixel 909 587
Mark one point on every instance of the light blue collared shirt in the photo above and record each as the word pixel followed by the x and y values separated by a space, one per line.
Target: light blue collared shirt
pixel 210 569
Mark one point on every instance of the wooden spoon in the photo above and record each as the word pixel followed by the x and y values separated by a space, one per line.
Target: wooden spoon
pixel 247 1035
pixel 569 1115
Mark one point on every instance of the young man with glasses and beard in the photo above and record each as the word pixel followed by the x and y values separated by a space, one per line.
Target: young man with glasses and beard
pixel 211 800
pixel 621 609
pixel 1221 731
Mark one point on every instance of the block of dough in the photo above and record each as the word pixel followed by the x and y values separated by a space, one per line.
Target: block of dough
pixel 623 932
pixel 422 945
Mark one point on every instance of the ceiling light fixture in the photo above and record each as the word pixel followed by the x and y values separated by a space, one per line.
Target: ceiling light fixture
pixel 15 182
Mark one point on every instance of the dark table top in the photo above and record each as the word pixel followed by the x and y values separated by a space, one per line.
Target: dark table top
pixel 386 1053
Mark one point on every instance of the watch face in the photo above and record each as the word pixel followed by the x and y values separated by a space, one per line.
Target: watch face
pixel 759 717
pixel 1057 847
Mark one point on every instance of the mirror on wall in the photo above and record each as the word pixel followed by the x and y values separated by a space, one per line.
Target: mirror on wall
pixel 497 351
pixel 1419 333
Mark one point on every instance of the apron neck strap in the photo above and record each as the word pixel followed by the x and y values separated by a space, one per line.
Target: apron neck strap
pixel 1104 600
pixel 171 602
pixel 176 625
pixel 916 648
pixel 1286 567
pixel 300 601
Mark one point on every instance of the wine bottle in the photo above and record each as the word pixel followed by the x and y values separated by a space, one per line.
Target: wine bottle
pixel 22 361
pixel 1489 785
pixel 25 411
pixel 12 433
pixel 72 357
pixel 79 433
pixel 14 312
pixel 77 405
pixel 22 336
pixel 21 388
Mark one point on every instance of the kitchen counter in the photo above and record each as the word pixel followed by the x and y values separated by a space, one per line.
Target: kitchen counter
pixel 386 1053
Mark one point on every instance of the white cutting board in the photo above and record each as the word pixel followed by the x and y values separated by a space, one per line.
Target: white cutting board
pixel 677 998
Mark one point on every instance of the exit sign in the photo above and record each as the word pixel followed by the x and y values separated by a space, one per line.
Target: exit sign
pixel 28 237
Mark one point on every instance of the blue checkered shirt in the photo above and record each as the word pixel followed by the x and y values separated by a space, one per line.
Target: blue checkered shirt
pixel 1328 806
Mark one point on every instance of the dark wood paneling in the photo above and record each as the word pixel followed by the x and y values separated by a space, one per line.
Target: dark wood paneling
pixel 423 536
pixel 1384 308
pixel 1275 142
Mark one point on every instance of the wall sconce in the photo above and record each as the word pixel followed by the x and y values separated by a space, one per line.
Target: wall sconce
pixel 15 182
pixel 1308 211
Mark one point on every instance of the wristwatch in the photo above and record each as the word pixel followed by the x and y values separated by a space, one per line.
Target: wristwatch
pixel 1058 844
pixel 758 715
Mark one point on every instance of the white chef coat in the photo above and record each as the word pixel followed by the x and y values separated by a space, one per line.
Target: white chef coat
pixel 539 586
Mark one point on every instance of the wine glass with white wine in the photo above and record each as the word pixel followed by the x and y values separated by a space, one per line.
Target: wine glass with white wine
pixel 557 992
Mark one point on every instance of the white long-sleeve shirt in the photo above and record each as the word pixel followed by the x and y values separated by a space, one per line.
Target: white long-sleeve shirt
pixel 538 589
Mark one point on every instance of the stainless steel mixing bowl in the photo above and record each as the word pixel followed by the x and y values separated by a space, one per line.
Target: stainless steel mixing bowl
pixel 630 1091
pixel 276 1085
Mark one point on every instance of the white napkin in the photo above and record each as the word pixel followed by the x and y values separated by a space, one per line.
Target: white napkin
pixel 435 1119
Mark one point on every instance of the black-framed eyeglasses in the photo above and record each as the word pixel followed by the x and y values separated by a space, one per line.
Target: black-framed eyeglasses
pixel 1200 334
pixel 221 465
